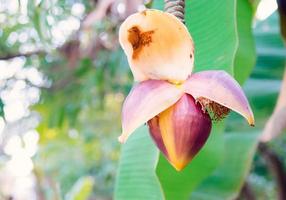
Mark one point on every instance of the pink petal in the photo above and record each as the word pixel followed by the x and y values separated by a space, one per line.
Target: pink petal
pixel 220 87
pixel 145 101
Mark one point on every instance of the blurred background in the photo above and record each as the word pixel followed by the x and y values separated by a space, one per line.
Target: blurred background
pixel 63 78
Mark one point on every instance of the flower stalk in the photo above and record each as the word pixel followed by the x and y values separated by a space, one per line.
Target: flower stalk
pixel 176 8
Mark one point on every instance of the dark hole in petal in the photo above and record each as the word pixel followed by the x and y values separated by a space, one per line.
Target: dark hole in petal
pixel 139 39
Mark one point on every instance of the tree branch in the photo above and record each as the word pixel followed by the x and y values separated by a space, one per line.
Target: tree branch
pixel 282 13
pixel 246 192
pixel 276 167
pixel 97 14
pixel 27 54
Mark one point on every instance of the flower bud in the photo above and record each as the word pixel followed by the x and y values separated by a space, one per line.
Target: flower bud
pixel 181 131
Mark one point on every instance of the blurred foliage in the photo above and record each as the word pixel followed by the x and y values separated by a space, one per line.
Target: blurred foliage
pixel 81 190
pixel 83 86
pixel 271 56
pixel 227 179
pixel 83 77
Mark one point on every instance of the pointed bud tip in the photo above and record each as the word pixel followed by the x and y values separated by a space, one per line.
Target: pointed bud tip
pixel 179 166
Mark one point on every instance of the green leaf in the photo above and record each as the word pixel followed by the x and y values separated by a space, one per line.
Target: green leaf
pixel 158 4
pixel 136 178
pixel 178 185
pixel 215 49
pixel 81 190
pixel 84 66
pixel 270 49
pixel 246 54
pixel 1 108
pixel 228 178
pixel 264 85
pixel 212 25
pixel 38 16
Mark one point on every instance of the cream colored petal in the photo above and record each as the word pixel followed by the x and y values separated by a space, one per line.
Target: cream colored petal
pixel 145 101
pixel 220 87
pixel 158 46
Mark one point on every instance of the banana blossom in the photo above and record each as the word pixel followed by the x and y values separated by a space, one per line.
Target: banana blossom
pixel 178 106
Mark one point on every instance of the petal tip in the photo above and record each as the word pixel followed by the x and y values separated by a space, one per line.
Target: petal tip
pixel 250 119
pixel 251 122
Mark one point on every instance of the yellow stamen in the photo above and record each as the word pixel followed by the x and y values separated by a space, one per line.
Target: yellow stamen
pixel 177 84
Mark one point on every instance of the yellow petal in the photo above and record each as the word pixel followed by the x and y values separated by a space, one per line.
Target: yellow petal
pixel 158 46
pixel 146 100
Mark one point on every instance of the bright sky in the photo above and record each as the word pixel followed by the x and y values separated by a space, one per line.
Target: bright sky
pixel 265 9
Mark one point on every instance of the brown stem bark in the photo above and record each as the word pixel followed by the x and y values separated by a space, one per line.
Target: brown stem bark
pixel 246 192
pixel 28 54
pixel 282 13
pixel 276 167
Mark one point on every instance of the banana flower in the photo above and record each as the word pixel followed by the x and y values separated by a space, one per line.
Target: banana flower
pixel 178 106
